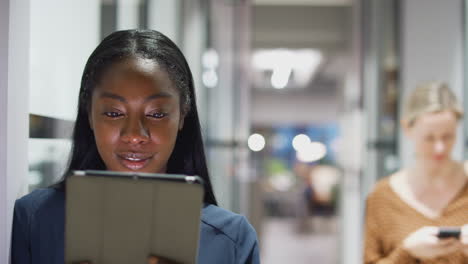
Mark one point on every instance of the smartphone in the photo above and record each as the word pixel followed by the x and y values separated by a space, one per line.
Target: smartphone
pixel 449 231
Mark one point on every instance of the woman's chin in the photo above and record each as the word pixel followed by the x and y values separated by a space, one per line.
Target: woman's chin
pixel 436 162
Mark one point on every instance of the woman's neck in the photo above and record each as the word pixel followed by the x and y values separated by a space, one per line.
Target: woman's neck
pixel 445 174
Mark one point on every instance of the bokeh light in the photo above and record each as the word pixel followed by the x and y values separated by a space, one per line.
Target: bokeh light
pixel 314 151
pixel 256 142
pixel 300 141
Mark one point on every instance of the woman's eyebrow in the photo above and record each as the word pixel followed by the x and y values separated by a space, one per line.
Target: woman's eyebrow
pixel 122 99
pixel 112 96
pixel 158 95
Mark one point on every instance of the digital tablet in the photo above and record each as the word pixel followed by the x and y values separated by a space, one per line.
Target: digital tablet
pixel 122 218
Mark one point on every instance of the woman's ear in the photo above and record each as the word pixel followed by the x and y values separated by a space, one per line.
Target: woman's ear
pixel 90 120
pixel 181 121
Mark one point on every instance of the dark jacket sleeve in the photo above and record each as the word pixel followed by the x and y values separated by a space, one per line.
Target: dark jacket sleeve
pixel 247 244
pixel 20 246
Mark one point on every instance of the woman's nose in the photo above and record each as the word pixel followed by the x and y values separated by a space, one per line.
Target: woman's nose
pixel 439 147
pixel 135 132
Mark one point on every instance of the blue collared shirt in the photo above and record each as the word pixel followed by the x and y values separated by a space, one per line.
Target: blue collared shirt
pixel 38 232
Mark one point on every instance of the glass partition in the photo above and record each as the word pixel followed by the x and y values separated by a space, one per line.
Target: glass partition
pixel 63 34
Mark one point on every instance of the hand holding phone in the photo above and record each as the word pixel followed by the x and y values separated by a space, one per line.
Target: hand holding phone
pixel 449 231
pixel 424 244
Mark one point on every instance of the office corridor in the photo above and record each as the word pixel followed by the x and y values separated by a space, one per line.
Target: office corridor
pixel 283 244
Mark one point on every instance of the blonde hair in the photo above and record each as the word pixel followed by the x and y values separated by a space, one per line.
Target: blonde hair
pixel 430 97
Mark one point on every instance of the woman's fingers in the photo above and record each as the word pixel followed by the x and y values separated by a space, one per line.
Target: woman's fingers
pixel 447 242
pixel 448 248
pixel 153 259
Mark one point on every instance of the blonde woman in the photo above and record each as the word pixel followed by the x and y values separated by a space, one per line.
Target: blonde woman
pixel 405 211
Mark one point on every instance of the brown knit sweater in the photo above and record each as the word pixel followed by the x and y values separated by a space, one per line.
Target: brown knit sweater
pixel 389 220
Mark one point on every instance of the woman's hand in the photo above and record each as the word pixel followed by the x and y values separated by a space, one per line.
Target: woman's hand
pixel 152 259
pixel 424 243
pixel 464 240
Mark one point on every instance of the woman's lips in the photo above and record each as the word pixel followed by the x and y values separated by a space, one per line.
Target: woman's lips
pixel 134 161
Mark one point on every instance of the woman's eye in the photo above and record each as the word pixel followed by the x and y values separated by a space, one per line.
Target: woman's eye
pixel 157 115
pixel 113 114
pixel 447 137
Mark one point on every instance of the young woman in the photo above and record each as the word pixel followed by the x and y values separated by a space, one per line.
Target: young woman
pixel 405 210
pixel 136 112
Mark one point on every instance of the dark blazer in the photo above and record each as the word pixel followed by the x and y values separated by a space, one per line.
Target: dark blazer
pixel 38 232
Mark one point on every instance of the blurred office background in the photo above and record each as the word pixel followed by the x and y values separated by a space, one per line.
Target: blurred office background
pixel 299 101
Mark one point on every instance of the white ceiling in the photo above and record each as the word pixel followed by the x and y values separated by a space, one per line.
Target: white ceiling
pixel 321 27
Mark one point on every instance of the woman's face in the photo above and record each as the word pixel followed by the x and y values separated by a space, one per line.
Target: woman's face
pixel 135 115
pixel 434 135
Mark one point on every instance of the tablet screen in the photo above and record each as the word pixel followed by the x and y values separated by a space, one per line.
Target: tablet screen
pixel 125 219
